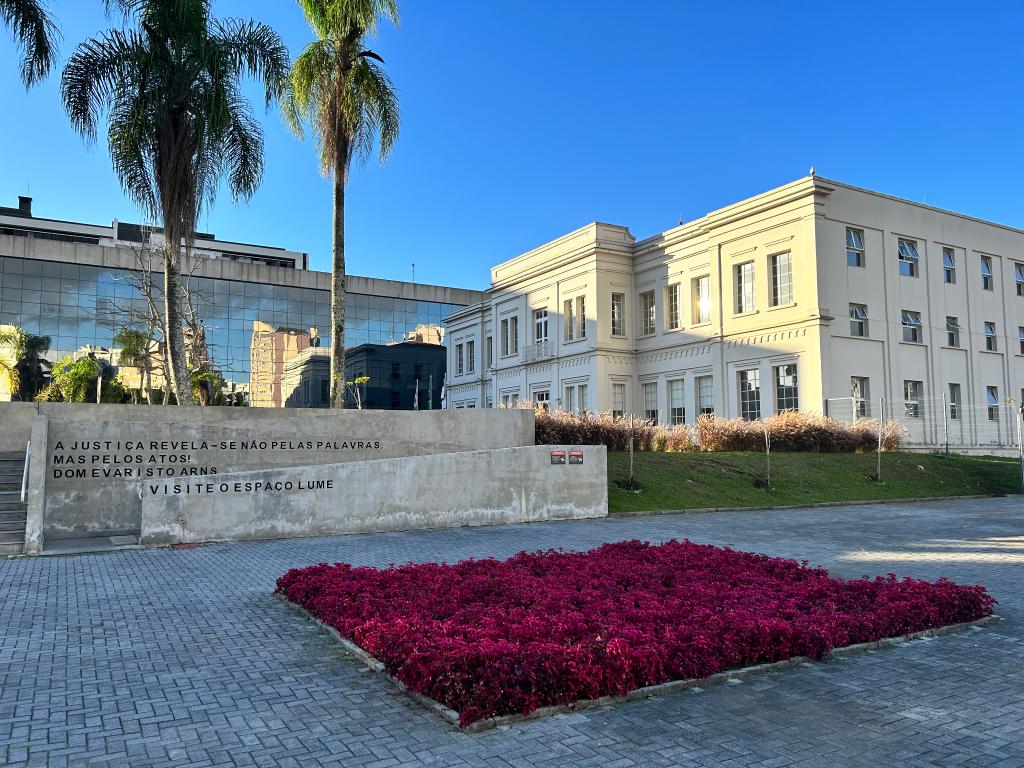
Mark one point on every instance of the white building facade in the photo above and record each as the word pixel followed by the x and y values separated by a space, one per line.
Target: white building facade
pixel 815 296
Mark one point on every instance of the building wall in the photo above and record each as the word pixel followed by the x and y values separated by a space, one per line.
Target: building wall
pixel 806 220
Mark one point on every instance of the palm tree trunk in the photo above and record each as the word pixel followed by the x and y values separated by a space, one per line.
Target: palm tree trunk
pixel 338 277
pixel 173 335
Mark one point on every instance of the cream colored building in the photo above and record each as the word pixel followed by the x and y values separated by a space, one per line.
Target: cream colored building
pixel 815 295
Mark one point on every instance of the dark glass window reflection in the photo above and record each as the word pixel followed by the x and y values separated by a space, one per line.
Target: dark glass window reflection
pixel 79 306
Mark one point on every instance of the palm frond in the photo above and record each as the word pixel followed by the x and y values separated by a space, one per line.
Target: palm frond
pixel 255 50
pixel 36 34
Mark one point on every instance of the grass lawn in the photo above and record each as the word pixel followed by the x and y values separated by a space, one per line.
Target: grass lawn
pixel 697 480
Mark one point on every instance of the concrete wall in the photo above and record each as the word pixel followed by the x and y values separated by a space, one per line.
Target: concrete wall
pixel 97 454
pixel 444 490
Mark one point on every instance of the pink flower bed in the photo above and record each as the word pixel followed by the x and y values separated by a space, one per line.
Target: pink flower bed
pixel 489 638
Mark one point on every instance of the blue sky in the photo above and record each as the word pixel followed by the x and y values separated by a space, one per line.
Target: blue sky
pixel 524 120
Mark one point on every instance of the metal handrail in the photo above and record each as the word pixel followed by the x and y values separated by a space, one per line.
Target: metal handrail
pixel 24 472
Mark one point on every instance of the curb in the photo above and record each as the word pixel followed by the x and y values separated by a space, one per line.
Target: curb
pixel 646 692
pixel 812 505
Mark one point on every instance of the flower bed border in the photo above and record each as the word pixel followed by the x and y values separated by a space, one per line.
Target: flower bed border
pixel 646 692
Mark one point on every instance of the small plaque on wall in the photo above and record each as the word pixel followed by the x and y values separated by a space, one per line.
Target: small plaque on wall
pixel 558 457
pixel 575 457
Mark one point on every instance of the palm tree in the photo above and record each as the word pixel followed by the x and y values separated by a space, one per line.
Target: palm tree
pixel 177 122
pixel 35 33
pixel 338 86
pixel 21 362
pixel 137 352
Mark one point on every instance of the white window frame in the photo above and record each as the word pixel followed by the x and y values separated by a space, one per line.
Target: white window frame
pixel 855 247
pixel 948 265
pixel 954 400
pixel 992 402
pixel 471 356
pixel 786 402
pixel 676 401
pixel 649 390
pixel 1018 277
pixel 780 273
pixel 744 275
pixel 704 393
pixel 952 331
pixel 987 282
pixel 913 391
pixel 459 367
pixel 750 406
pixel 912 321
pixel 910 258
pixel 859 319
pixel 673 307
pixel 618 399
pixel 702 299
pixel 540 325
pixel 648 313
pixel 618 312
pixel 991 336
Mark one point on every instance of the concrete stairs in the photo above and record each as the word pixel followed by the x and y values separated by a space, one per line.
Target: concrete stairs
pixel 12 511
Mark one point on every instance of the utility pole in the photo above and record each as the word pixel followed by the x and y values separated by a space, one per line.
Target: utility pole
pixel 881 426
pixel 945 422
pixel 1020 443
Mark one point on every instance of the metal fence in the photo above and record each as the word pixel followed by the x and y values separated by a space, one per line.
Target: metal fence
pixel 938 423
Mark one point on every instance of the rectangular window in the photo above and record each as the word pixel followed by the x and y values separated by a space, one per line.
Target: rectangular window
pixel 705 394
pixel 854 247
pixel 569 318
pixel 618 314
pixel 513 326
pixel 786 396
pixel 458 360
pixel 673 316
pixel 618 400
pixel 992 402
pixel 948 266
pixel 780 266
pixel 986 273
pixel 508 399
pixel 744 274
pixel 952 331
pixel 581 317
pixel 676 402
pixel 570 399
pixel 954 401
pixel 490 351
pixel 504 338
pixel 540 325
pixel 647 316
pixel 912 391
pixel 858 320
pixel 859 391
pixel 750 393
pixel 471 356
pixel 581 397
pixel 909 258
pixel 912 326
pixel 702 299
pixel 651 402
pixel 1018 276
pixel 990 337
pixel 1020 337
pixel 542 399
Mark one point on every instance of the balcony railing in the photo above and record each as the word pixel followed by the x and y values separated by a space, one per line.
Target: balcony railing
pixel 542 350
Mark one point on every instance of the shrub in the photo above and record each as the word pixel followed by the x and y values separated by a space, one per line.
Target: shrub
pixel 789 431
pixel 488 638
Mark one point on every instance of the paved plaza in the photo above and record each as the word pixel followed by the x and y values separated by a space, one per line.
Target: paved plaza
pixel 183 657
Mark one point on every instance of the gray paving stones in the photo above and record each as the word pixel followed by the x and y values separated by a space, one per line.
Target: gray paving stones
pixel 168 658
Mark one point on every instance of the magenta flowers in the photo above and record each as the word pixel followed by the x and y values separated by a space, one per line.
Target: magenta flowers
pixel 488 638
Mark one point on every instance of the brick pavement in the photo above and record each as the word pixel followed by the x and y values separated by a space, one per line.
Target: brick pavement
pixel 182 657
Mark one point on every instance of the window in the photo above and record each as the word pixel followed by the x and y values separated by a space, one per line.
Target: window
pixel 954 401
pixel 908 258
pixel 651 402
pixel 859 391
pixel 952 331
pixel 618 314
pixel 575 398
pixel 458 360
pixel 471 356
pixel 750 393
pixel 575 318
pixel 676 402
pixel 990 337
pixel 992 401
pixel 912 326
pixel 581 397
pixel 1020 337
pixel 702 299
pixel 858 320
pixel 948 266
pixel 780 266
pixel 854 247
pixel 508 399
pixel 786 397
pixel 489 345
pixel 569 404
pixel 542 399
pixel 510 336
pixel 744 287
pixel 647 311
pixel 325 391
pixel 540 325
pixel 618 400
pixel 673 316
pixel 1018 276
pixel 986 273
pixel 705 394
pixel 912 398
